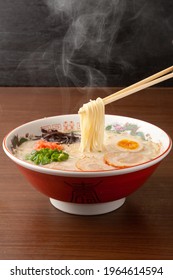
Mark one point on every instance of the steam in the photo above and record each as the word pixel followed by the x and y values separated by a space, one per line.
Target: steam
pixel 87 44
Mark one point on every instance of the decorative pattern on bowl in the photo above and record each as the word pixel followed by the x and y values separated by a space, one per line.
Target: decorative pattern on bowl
pixel 89 193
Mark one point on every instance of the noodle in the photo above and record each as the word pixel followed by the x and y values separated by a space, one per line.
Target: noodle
pixel 92 123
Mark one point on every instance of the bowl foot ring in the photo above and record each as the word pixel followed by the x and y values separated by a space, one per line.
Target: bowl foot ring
pixel 87 209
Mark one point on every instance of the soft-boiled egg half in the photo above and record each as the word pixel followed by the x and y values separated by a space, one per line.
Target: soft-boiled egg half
pixel 128 143
pixel 130 151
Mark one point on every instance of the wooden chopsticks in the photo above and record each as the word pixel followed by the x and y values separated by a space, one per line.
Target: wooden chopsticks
pixel 147 82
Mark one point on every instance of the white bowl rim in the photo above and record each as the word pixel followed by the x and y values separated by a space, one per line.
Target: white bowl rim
pixel 66 173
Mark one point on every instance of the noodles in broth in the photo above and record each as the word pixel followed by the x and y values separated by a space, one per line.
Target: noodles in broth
pixel 92 123
pixel 98 149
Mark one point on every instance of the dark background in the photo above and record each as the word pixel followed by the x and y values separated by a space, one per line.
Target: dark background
pixel 84 42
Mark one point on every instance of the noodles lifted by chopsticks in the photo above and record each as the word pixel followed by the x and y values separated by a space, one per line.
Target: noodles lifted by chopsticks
pixel 92 113
pixel 92 123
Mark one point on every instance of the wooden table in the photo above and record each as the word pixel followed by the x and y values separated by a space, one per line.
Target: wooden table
pixel 31 228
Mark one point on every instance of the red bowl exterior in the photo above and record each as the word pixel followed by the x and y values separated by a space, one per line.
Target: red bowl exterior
pixel 87 190
pixel 87 187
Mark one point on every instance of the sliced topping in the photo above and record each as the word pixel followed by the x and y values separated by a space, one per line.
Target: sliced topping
pixel 124 159
pixel 92 164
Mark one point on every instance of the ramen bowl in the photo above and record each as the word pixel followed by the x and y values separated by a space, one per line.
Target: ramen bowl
pixel 86 192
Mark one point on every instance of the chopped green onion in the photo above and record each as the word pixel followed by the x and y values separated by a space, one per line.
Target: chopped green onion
pixel 45 156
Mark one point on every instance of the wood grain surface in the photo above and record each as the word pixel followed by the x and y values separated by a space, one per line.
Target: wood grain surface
pixel 31 228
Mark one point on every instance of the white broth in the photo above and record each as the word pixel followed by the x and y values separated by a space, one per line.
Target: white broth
pixel 121 150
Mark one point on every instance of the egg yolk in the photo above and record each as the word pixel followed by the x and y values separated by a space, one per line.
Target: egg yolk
pixel 128 144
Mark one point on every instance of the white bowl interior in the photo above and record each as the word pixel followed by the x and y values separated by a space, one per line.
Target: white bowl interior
pixel 72 121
